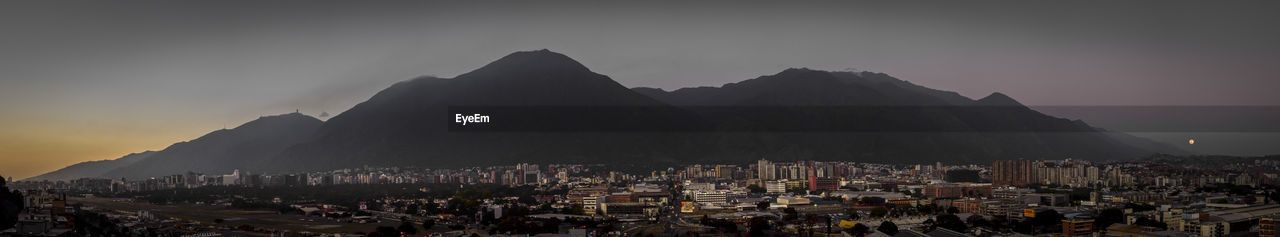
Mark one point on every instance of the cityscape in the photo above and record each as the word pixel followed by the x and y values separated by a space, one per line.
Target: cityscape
pixel 657 118
pixel 1151 197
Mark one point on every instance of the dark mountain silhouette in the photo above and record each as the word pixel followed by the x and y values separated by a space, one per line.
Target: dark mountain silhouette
pixel 867 116
pixel 549 108
pixel 860 116
pixel 997 99
pixel 222 151
pixel 408 123
pixel 902 88
pixel 91 169
pixel 800 86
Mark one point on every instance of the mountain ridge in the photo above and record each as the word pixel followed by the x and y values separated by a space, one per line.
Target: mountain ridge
pixel 90 169
pixel 993 127
pixel 407 124
pixel 224 150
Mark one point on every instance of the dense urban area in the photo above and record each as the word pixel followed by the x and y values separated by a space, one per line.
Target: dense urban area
pixel 1156 196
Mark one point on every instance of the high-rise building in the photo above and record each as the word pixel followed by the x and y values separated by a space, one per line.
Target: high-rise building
pixel 1066 172
pixel 527 173
pixel 765 170
pixel 724 171
pixel 1011 172
pixel 694 171
pixel 796 172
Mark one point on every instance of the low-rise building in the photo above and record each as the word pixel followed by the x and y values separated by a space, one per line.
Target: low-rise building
pixel 1077 226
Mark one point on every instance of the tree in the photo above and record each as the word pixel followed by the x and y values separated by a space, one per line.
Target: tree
pixel 516 210
pixel 860 229
pixel 412 209
pixel 871 200
pixel 1047 218
pixel 1000 222
pixel 951 222
pixel 431 208
pixel 527 200
pixel 888 228
pixel 879 212
pixel 575 209
pixel 427 224
pixel 407 228
pixel 790 214
pixel 10 205
pixel 487 217
pixel 927 209
pixel 384 231
pixel 978 220
pixel 719 224
pixel 756 189
pixel 758 226
pixel 462 206
pixel 1025 227
pixel 549 226
pixel 763 205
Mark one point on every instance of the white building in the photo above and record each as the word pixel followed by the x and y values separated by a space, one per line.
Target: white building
pixel 710 197
pixel 775 186
pixel 231 179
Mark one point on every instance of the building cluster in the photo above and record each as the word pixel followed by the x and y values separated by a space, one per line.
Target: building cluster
pixel 517 175
pixel 1070 173
pixel 1037 197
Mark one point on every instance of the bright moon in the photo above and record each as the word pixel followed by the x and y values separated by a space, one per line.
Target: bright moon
pixel 1192 141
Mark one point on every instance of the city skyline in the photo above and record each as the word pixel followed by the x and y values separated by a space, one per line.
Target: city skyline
pixel 1161 195
pixel 582 118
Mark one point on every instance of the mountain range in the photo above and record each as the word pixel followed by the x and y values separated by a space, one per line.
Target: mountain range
pixel 796 114
pixel 97 168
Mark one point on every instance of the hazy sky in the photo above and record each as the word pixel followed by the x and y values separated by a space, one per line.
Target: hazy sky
pixel 96 80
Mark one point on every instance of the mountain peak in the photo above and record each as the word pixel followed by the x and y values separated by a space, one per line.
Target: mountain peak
pixel 998 99
pixel 804 76
pixel 286 116
pixel 799 71
pixel 279 120
pixel 532 61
